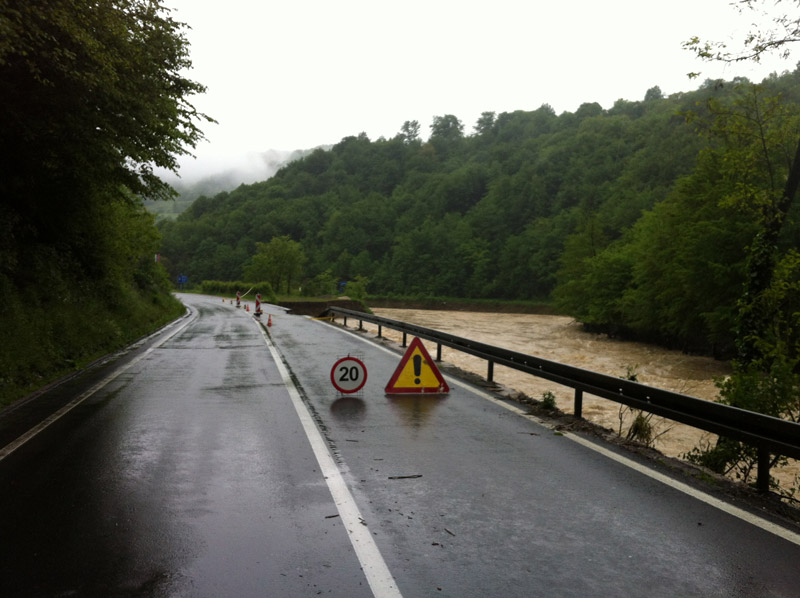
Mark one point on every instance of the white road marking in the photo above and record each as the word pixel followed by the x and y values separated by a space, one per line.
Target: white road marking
pixel 746 516
pixel 33 432
pixel 375 569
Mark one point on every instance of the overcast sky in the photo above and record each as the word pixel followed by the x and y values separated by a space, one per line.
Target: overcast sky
pixel 298 74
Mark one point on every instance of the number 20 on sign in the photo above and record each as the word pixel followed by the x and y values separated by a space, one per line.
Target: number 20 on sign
pixel 349 375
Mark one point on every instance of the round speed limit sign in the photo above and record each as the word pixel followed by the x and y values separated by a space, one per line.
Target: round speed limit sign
pixel 349 375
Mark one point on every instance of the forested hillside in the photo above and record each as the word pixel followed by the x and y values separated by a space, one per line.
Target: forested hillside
pixel 92 101
pixel 614 213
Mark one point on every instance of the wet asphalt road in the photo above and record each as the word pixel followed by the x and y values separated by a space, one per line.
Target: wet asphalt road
pixel 191 474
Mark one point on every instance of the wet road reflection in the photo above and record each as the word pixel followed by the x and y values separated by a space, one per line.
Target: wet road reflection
pixel 188 475
pixel 415 410
pixel 349 410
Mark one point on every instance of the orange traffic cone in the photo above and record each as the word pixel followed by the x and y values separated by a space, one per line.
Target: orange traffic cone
pixel 269 321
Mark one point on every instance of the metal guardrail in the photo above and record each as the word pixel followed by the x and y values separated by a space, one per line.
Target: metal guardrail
pixel 770 435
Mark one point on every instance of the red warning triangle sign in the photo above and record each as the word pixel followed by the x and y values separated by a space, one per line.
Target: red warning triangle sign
pixel 417 373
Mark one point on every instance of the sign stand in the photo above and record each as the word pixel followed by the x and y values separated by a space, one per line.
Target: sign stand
pixel 349 375
pixel 417 373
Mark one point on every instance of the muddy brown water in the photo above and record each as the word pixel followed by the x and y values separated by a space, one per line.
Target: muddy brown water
pixel 561 339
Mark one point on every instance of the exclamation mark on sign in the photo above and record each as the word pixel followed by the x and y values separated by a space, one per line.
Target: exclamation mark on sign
pixel 417 368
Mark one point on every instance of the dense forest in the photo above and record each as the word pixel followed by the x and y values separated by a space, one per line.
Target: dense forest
pixel 93 101
pixel 617 215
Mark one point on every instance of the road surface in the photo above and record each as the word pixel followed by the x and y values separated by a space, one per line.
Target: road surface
pixel 215 460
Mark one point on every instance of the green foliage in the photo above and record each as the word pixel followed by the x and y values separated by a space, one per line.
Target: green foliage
pixel 769 384
pixel 548 400
pixel 641 428
pixel 484 216
pixel 96 95
pixel 322 284
pixel 93 101
pixel 357 289
pixel 757 160
pixel 277 261
pixel 64 319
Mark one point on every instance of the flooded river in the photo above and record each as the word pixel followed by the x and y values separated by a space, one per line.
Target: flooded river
pixel 561 339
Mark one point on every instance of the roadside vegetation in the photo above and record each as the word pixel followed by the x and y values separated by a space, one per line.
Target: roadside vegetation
pixel 93 100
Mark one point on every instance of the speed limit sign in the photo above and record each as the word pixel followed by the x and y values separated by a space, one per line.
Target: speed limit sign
pixel 349 375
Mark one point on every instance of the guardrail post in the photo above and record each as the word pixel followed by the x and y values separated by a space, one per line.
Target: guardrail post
pixel 578 403
pixel 438 351
pixel 345 321
pixel 762 481
pixel 490 371
pixel 361 324
pixel 380 331
pixel 405 335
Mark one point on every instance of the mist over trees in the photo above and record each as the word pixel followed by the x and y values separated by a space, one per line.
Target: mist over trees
pixel 621 215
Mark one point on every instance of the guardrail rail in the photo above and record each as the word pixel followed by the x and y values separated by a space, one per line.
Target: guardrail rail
pixel 770 435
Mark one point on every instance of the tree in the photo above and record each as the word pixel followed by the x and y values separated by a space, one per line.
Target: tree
pixel 94 92
pixel 275 262
pixel 758 154
pixel 762 155
pixel 485 124
pixel 775 158
pixel 447 127
pixel 446 132
pixel 409 132
pixel 755 43
pixel 94 99
pixel 654 93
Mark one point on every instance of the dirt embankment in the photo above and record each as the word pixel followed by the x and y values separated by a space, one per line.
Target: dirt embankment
pixel 318 308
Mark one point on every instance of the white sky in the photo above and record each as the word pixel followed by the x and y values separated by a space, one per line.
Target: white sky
pixel 297 74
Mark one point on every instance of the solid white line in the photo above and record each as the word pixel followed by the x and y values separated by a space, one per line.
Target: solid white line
pixel 750 518
pixel 33 432
pixel 375 569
